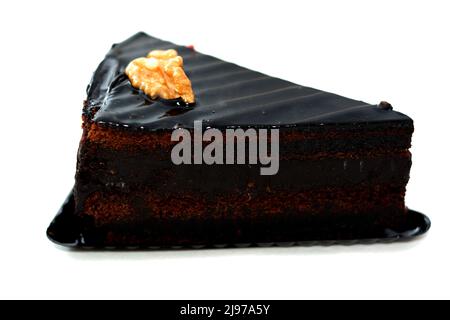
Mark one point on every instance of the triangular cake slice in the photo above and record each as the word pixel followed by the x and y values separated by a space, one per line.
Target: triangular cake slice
pixel 343 164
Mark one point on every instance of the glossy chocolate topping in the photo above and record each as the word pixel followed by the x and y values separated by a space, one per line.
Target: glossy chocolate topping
pixel 227 95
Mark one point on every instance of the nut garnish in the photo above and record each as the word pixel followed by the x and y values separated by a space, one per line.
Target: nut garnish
pixel 385 105
pixel 161 74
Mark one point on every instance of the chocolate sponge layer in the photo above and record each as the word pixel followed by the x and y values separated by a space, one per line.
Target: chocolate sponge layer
pixel 142 217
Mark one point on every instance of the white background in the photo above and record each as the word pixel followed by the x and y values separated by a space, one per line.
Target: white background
pixel 369 50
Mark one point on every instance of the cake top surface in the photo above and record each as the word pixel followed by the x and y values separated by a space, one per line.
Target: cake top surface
pixel 227 95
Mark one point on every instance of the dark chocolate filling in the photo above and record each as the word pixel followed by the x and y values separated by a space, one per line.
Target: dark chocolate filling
pixel 119 169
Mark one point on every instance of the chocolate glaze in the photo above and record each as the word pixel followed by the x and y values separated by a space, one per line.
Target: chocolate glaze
pixel 227 95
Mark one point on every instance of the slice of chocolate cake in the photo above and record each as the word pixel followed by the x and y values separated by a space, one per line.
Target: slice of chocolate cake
pixel 340 164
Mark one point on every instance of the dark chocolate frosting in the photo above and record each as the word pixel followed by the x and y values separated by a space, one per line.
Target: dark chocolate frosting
pixel 227 95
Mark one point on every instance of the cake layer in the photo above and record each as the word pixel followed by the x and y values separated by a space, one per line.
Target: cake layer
pixel 143 217
pixel 109 206
pixel 293 142
pixel 146 203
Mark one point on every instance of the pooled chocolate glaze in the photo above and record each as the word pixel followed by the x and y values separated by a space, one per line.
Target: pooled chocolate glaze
pixel 227 95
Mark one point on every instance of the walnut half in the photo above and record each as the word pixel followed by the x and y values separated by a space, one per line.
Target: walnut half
pixel 161 74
